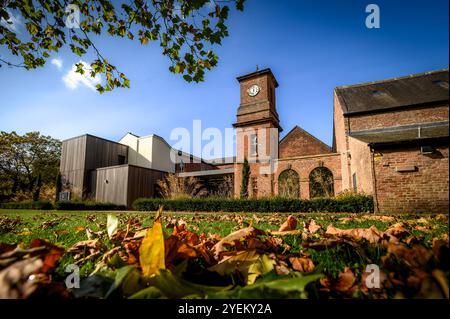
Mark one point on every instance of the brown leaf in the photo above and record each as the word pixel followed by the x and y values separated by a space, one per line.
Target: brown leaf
pixel 441 252
pixel 282 268
pixel 51 255
pixel 302 264
pixel 175 250
pixel 289 224
pixel 372 234
pixel 397 230
pixel 312 227
pixel 416 257
pixel 230 239
pixel 345 280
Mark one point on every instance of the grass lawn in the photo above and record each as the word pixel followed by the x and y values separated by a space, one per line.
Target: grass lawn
pixel 66 228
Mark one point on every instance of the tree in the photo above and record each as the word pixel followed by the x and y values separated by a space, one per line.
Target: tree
pixel 37 187
pixel 58 186
pixel 24 157
pixel 185 29
pixel 245 178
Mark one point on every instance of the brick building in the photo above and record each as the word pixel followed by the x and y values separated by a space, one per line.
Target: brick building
pixel 390 139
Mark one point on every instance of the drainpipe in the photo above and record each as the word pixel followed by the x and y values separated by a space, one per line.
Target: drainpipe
pixel 374 181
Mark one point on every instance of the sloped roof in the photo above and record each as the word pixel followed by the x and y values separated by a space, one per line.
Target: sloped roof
pixel 406 91
pixel 309 144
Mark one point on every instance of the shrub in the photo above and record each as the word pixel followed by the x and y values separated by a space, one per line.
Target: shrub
pixel 175 187
pixel 349 204
pixel 87 205
pixel 40 204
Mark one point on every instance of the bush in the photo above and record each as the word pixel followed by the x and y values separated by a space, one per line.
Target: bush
pixel 87 205
pixel 40 204
pixel 348 204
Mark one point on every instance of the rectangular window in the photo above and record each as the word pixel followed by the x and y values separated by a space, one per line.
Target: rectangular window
pixel 121 159
pixel 254 145
pixel 355 185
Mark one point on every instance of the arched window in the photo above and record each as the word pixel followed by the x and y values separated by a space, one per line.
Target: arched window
pixel 289 184
pixel 321 183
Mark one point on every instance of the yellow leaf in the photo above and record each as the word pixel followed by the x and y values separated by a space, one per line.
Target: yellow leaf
pixel 262 266
pixel 79 229
pixel 25 233
pixel 151 252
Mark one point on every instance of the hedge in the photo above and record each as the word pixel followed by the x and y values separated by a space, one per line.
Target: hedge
pixel 87 205
pixel 348 204
pixel 40 204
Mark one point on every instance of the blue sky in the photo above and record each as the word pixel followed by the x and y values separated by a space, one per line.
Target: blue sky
pixel 311 46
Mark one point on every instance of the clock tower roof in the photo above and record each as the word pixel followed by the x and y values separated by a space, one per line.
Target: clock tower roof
pixel 258 73
pixel 258 102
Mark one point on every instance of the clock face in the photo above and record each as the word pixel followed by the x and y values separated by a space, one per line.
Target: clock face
pixel 253 90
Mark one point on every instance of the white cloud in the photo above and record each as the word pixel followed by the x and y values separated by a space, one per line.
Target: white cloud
pixel 73 79
pixel 58 62
pixel 13 23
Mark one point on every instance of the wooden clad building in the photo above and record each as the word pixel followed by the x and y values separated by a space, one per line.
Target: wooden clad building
pixel 96 168
pixel 123 184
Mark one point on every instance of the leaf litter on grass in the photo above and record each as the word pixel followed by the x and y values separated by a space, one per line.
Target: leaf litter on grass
pixel 146 262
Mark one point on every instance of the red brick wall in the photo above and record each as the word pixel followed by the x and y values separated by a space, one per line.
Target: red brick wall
pixel 399 117
pixel 425 190
pixel 267 184
pixel 304 165
pixel 298 142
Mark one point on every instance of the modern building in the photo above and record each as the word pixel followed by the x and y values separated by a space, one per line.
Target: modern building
pixel 390 139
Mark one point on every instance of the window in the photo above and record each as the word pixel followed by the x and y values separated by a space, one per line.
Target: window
pixel 355 184
pixel 254 145
pixel 121 159
pixel 289 184
pixel 321 182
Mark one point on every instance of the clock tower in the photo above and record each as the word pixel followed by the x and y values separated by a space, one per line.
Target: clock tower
pixel 257 131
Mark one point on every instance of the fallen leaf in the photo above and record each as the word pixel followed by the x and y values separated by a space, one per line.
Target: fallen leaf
pixel 79 229
pixel 151 252
pixel 238 235
pixel 301 264
pixel 175 250
pixel 112 223
pixel 441 278
pixel 52 254
pixel 372 234
pixel 289 224
pixel 345 281
pixel 240 261
pixel 312 227
pixel 397 230
pixel 25 233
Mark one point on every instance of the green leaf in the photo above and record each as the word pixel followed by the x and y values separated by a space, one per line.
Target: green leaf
pixel 128 280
